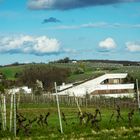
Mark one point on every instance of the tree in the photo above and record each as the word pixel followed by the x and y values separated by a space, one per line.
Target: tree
pixel 65 60
pixel 46 74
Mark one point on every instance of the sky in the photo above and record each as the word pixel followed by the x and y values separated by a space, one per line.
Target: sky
pixel 47 30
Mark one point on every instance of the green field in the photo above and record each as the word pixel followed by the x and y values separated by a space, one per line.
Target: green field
pixel 73 130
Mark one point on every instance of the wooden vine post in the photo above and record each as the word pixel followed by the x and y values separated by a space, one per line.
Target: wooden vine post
pixel 58 107
pixel 78 106
pixel 4 112
pixel 11 113
pixel 15 129
pixel 3 107
pixel 138 95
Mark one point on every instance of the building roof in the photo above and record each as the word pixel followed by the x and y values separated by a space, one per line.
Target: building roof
pixel 95 84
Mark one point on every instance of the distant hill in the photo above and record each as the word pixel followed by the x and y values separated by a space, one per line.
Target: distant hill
pixel 92 68
pixel 125 63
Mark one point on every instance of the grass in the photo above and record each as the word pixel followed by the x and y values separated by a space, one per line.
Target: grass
pixel 73 130
pixel 87 75
pixel 10 72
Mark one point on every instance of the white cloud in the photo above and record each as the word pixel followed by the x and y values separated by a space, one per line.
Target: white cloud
pixel 30 45
pixel 133 46
pixel 69 4
pixel 94 25
pixel 87 25
pixel 40 4
pixel 108 43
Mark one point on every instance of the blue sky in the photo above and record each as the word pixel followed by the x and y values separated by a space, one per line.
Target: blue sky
pixel 38 31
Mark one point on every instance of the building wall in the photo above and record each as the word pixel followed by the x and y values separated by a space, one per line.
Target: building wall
pixel 112 91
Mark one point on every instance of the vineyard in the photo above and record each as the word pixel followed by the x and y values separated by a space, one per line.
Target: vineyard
pixel 36 116
pixel 101 118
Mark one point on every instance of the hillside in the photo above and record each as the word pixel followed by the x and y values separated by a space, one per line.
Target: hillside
pixel 79 71
pixel 10 71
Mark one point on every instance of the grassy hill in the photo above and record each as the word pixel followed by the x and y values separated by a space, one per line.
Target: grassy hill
pixel 91 70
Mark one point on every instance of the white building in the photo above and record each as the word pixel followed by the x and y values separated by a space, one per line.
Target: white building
pixel 64 86
pixel 107 84
pixel 24 89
